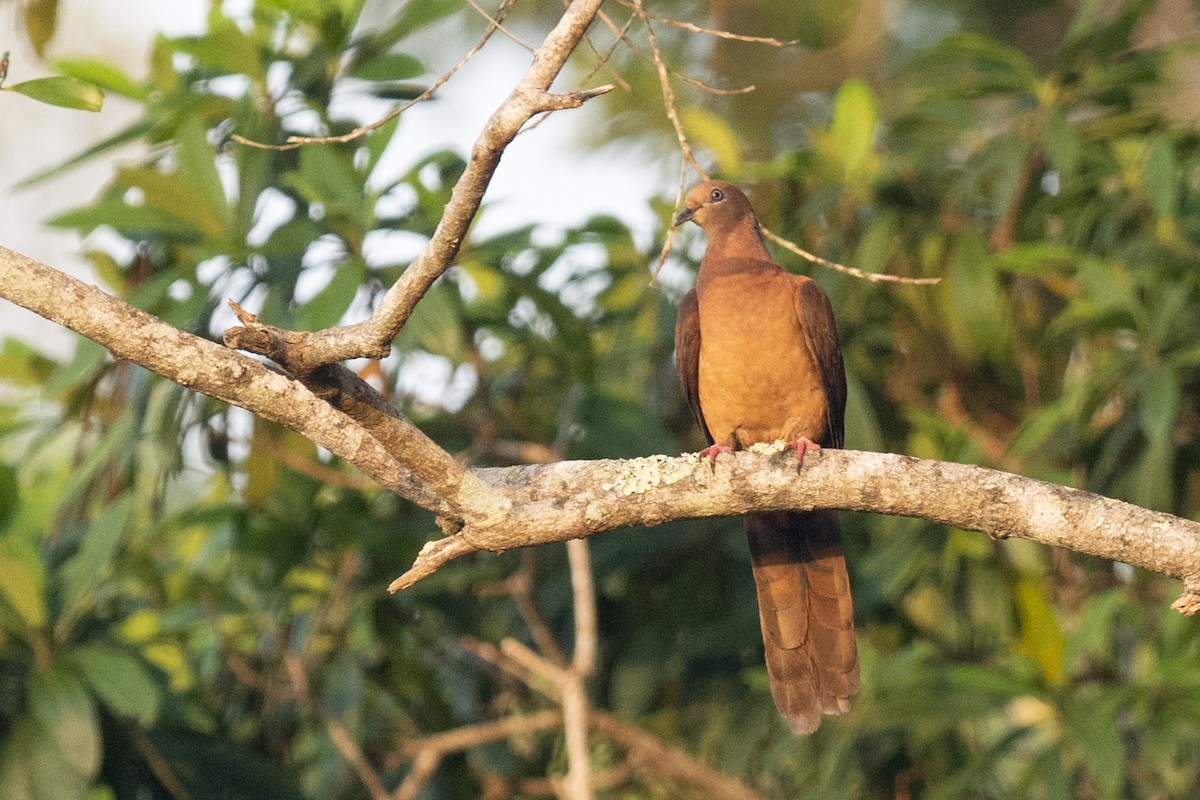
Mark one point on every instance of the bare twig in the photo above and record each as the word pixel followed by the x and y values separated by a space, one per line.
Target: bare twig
pixel 685 147
pixel 701 85
pixel 427 753
pixel 159 766
pixel 584 598
pixel 470 736
pixel 336 731
pixel 423 766
pixel 519 586
pixel 833 265
pixel 1188 603
pixel 623 38
pixel 498 787
pixel 602 59
pixel 497 25
pixel 298 462
pixel 689 159
pixel 299 141
pixel 656 760
pixel 688 26
pixel 576 708
pixel 664 82
pixel 577 713
pixel 652 757
pixel 428 463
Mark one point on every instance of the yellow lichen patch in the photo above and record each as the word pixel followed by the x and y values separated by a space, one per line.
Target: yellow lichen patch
pixel 640 475
pixel 768 448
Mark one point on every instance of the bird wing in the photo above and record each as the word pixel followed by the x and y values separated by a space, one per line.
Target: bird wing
pixel 687 355
pixel 815 316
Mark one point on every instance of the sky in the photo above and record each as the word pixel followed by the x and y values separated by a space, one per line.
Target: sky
pixel 543 176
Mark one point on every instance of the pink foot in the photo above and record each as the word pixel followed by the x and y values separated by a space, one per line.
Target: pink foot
pixel 712 451
pixel 802 445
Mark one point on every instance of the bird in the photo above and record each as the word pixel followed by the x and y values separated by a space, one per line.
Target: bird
pixel 757 353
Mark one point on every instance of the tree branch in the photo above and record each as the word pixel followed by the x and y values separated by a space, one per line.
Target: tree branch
pixel 579 498
pixel 300 353
pixel 652 757
pixel 430 478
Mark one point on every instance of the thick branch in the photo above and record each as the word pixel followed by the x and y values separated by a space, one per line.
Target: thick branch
pixel 437 483
pixel 303 352
pixel 578 498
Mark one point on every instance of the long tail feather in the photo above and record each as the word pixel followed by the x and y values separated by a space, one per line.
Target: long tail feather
pixel 806 613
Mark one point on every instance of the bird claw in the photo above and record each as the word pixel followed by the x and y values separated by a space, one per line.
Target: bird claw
pixel 712 451
pixel 802 445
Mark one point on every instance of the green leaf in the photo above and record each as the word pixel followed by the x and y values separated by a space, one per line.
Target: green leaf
pixel 329 304
pixel 1036 258
pixel 16 762
pixel 973 65
pixel 435 325
pixel 1161 177
pixel 120 680
pixel 415 15
pixel 133 222
pixel 135 131
pixel 1153 475
pixel 102 74
pixel 92 564
pixel 178 196
pixel 862 423
pixel 327 175
pixel 1062 142
pixel 31 767
pixel 60 91
pixel 22 365
pixel 225 47
pixel 10 495
pixel 975 311
pixel 388 67
pixel 342 692
pixel 41 21
pixel 1160 398
pixel 849 144
pixel 198 167
pixel 21 586
pixel 377 141
pixel 1041 637
pixel 212 768
pixel 87 359
pixel 61 707
pixel 1090 719
pixel 711 131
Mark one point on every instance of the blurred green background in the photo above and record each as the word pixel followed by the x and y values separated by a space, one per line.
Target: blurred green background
pixel 164 558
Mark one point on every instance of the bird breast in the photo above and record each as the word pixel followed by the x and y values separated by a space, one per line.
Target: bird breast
pixel 757 378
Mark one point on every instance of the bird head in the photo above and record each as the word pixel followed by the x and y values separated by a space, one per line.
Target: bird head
pixel 713 205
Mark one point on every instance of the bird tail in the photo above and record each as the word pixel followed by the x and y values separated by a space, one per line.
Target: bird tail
pixel 806 613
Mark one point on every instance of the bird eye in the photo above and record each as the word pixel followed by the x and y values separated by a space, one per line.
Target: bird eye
pixel 715 195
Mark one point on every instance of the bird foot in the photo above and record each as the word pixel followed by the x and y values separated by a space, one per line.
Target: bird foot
pixel 802 445
pixel 712 451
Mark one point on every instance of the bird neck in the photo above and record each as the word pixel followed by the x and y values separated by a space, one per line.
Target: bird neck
pixel 734 248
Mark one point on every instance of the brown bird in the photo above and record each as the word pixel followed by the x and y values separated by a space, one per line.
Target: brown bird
pixel 757 351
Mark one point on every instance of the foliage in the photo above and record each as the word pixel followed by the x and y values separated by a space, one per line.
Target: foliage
pixel 165 560
pixel 64 91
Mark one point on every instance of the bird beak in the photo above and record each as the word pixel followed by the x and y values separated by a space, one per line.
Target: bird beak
pixel 684 216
